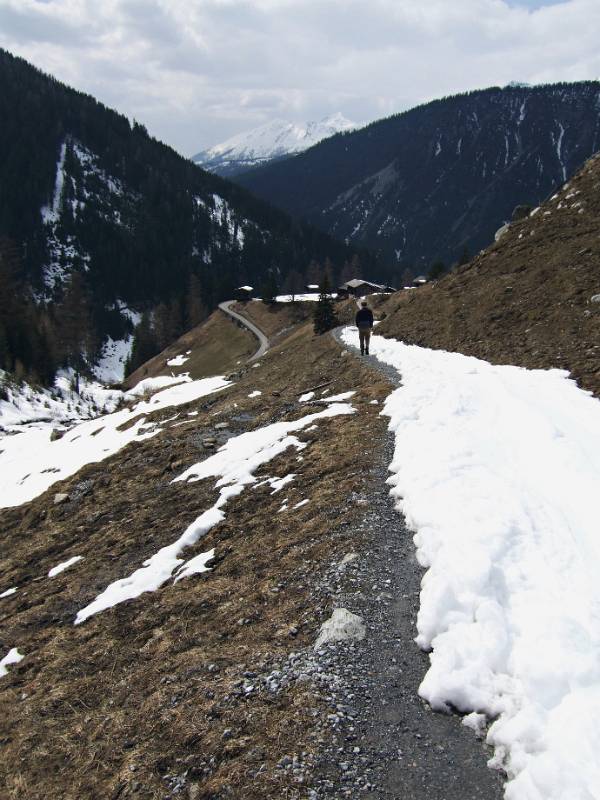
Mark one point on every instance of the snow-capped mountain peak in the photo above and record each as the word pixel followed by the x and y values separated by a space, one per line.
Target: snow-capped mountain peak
pixel 274 139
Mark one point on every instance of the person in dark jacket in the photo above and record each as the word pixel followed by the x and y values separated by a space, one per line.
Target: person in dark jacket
pixel 364 323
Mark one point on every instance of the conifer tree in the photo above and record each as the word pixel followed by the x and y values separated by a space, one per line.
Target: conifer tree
pixel 269 288
pixel 324 317
pixel 144 345
pixel 293 284
pixel 195 308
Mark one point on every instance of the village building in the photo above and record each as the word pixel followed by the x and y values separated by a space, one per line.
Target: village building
pixel 359 288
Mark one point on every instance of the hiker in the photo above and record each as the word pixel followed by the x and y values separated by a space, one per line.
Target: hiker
pixel 364 323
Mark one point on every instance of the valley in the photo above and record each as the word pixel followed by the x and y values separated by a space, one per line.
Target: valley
pixel 239 558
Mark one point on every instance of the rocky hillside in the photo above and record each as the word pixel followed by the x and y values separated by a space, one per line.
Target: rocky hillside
pixel 99 221
pixel 274 140
pixel 531 299
pixel 439 180
pixel 189 688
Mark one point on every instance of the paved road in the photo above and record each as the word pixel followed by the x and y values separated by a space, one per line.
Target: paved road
pixel 264 342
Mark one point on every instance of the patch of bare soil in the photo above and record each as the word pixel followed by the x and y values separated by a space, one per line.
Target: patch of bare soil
pixel 217 347
pixel 527 299
pixel 166 695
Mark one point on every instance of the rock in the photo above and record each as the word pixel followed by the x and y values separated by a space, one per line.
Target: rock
pixel 348 559
pixel 220 426
pixel 60 497
pixel 343 625
pixel 56 434
pixel 194 791
pixel 595 298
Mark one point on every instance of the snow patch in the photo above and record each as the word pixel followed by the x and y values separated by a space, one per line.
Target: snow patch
pixel 178 361
pixel 496 470
pixel 65 565
pixel 12 657
pixel 233 464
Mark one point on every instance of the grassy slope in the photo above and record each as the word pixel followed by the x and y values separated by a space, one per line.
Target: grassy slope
pixel 217 345
pixel 525 300
pixel 124 703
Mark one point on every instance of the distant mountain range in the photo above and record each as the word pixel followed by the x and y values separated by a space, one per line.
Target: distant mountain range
pixel 272 141
pixel 436 182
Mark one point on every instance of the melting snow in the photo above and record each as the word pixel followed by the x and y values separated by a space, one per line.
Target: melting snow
pixel 233 464
pixel 8 592
pixel 12 657
pixel 196 565
pixel 255 393
pixel 496 468
pixel 302 503
pixel 336 398
pixel 30 461
pixel 304 398
pixel 178 361
pixel 65 565
pixel 277 484
pixel 111 364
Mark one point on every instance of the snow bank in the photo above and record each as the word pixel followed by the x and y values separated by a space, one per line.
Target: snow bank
pixel 497 470
pixel 12 657
pixel 233 464
pixel 30 461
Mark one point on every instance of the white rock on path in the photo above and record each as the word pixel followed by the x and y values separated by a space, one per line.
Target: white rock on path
pixel 341 626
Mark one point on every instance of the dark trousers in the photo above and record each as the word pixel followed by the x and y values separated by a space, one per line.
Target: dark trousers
pixel 364 335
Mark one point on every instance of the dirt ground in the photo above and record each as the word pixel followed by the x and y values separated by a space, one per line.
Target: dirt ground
pixel 152 698
pixel 527 299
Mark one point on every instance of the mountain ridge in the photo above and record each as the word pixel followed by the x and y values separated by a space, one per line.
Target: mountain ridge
pixel 272 141
pixel 430 182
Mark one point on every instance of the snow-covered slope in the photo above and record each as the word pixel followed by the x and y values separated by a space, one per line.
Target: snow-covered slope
pixel 496 470
pixel 273 140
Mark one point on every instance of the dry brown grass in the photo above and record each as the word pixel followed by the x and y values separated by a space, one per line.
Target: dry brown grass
pixel 113 707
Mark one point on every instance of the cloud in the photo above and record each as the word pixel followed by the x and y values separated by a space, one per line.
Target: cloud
pixel 197 71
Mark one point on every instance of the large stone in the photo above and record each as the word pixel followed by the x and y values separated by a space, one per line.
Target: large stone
pixel 595 298
pixel 60 497
pixel 341 626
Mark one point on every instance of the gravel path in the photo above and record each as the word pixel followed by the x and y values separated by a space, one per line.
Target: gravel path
pixel 381 740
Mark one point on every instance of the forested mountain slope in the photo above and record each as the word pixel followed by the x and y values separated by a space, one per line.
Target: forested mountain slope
pixel 97 218
pixel 431 182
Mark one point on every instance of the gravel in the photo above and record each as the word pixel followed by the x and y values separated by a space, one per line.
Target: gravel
pixel 379 740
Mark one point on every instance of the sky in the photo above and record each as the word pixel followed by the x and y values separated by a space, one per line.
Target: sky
pixel 198 71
